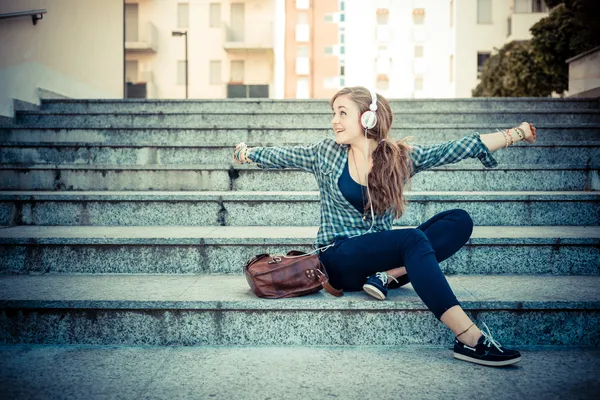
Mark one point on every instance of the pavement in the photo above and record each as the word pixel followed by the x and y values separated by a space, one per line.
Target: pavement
pixel 344 372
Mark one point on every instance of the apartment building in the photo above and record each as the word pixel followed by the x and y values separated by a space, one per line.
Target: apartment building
pixel 482 25
pixel 314 45
pixel 430 48
pixel 201 48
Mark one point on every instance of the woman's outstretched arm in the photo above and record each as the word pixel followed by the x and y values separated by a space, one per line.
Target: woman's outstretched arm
pixel 498 140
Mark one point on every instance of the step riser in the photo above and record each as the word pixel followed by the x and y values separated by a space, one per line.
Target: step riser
pixel 281 213
pixel 493 120
pixel 278 328
pixel 223 155
pixel 255 137
pixel 313 106
pixel 110 257
pixel 286 180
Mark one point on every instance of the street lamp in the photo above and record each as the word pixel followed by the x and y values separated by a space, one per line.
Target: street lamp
pixel 178 33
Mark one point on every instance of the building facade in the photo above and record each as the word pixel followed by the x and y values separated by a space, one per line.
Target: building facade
pixel 230 48
pixel 430 48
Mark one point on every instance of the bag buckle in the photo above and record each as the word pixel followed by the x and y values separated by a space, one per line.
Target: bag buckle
pixel 275 260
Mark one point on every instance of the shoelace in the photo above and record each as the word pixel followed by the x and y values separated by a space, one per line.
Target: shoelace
pixel 384 277
pixel 489 339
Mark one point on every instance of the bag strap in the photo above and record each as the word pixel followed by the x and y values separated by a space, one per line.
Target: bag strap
pixel 324 281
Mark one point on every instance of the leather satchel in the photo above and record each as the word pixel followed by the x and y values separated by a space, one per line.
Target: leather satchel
pixel 276 277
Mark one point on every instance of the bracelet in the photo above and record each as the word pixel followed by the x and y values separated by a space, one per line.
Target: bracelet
pixel 505 138
pixel 512 141
pixel 465 330
pixel 520 132
pixel 238 152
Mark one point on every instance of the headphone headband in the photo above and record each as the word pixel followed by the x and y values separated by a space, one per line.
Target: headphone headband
pixel 373 106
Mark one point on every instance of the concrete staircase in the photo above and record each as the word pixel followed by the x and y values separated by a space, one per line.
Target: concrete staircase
pixel 125 223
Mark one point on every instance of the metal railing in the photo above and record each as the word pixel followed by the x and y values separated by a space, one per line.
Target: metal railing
pixel 35 15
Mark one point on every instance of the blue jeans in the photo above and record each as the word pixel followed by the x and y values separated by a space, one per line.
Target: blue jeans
pixel 350 261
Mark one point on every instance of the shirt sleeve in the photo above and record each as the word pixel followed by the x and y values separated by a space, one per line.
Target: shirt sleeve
pixel 471 146
pixel 301 156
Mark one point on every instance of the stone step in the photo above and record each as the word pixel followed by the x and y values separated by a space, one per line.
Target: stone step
pixel 283 208
pixel 292 105
pixel 289 372
pixel 222 311
pixel 37 119
pixel 174 137
pixel 454 177
pixel 522 250
pixel 575 153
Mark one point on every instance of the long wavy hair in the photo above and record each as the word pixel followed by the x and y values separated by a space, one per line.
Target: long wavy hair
pixel 392 165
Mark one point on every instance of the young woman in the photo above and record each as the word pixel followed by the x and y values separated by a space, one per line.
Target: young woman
pixel 361 176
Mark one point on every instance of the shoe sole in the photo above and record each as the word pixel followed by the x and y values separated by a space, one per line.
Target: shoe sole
pixel 487 363
pixel 373 291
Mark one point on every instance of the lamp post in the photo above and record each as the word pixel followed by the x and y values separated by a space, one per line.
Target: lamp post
pixel 178 33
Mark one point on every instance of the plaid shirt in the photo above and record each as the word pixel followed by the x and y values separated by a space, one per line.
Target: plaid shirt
pixel 326 160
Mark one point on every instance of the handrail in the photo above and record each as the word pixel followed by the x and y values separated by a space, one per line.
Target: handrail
pixel 35 15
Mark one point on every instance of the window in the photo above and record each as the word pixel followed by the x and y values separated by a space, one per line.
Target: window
pixel 302 17
pixel 215 72
pixel 418 51
pixel 522 6
pixel 302 51
pixel 328 17
pixel 302 66
pixel 482 57
pixel 302 33
pixel 539 6
pixel 181 72
pixel 302 88
pixel 418 16
pixel 342 70
pixel 484 11
pixel 183 15
pixel 342 50
pixel 302 4
pixel 451 68
pixel 342 38
pixel 383 82
pixel 383 18
pixel 328 49
pixel 236 75
pixel 342 17
pixel 419 83
pixel 214 15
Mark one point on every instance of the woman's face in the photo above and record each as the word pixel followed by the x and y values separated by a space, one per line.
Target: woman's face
pixel 346 121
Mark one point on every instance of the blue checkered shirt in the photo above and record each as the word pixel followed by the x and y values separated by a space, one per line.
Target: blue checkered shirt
pixel 326 160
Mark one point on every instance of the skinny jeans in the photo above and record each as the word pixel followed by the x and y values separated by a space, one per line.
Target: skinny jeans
pixel 351 260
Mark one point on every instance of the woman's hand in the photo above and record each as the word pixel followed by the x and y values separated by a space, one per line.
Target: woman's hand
pixel 242 156
pixel 530 132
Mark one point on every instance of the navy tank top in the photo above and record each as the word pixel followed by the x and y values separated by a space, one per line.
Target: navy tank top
pixel 352 189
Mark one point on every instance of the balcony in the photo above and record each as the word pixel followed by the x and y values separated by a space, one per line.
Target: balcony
pixel 256 35
pixel 148 42
pixel 520 23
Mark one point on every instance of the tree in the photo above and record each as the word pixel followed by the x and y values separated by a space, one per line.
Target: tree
pixel 512 72
pixel 539 67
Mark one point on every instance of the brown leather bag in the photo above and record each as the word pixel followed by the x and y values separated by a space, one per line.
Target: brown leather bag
pixel 276 277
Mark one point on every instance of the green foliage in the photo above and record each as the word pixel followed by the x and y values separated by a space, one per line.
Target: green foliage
pixel 512 72
pixel 538 67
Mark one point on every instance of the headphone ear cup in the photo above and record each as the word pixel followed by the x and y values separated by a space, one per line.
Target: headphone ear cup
pixel 368 120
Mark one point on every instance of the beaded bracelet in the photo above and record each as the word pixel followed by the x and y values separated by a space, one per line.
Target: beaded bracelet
pixel 505 138
pixel 512 141
pixel 238 152
pixel 520 132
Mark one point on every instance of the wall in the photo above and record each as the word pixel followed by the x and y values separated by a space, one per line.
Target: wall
pixel 76 50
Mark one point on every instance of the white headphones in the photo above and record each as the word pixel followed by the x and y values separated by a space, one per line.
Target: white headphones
pixel 368 119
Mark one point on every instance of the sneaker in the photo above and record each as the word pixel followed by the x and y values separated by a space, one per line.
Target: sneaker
pixel 487 351
pixel 377 285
